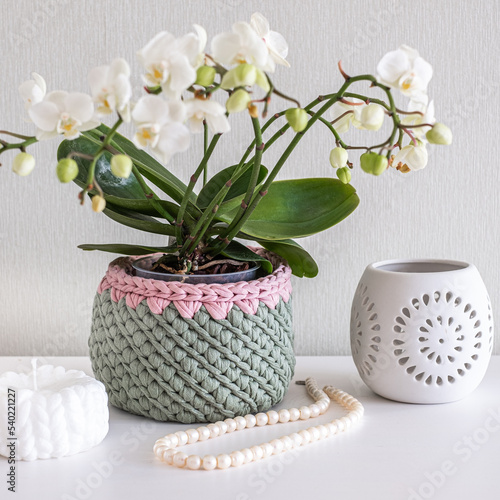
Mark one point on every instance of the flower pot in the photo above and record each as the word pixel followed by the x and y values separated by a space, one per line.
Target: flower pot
pixel 189 353
pixel 421 330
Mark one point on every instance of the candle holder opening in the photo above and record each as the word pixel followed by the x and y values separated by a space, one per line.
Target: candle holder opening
pixel 420 266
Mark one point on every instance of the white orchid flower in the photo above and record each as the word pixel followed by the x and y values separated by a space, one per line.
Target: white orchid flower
pixel 171 62
pixel 275 42
pixel 63 113
pixel 243 45
pixel 411 158
pixel 405 70
pixel 212 112
pixel 427 116
pixel 111 88
pixel 33 91
pixel 343 114
pixel 160 126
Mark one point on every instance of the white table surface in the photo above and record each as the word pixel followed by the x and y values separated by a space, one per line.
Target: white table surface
pixel 398 451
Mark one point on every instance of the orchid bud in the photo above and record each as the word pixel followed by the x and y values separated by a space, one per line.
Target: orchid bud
pixel 121 166
pixel 262 81
pixel 238 101
pixel 439 134
pixel 242 75
pixel 373 163
pixel 23 164
pixel 338 157
pixel 98 203
pixel 372 117
pixel 205 76
pixel 297 118
pixel 66 170
pixel 344 175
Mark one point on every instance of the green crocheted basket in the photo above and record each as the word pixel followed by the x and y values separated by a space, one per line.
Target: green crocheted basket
pixel 193 353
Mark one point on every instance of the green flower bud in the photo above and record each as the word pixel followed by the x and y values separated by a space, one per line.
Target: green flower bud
pixel 23 164
pixel 262 81
pixel 338 157
pixel 98 203
pixel 373 163
pixel 344 175
pixel 242 75
pixel 297 118
pixel 121 166
pixel 439 134
pixel 238 101
pixel 205 76
pixel 67 170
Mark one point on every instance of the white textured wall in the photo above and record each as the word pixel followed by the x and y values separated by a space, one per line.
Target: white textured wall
pixel 449 210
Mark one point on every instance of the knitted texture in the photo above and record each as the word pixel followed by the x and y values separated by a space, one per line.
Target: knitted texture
pixel 217 298
pixel 193 369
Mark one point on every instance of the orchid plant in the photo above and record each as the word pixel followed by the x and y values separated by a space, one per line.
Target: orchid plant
pixel 191 91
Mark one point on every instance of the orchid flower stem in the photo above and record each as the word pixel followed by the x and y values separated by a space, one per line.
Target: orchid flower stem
pixel 17 136
pixel 224 238
pixel 100 151
pixel 189 190
pixel 17 145
pixel 151 196
pixel 205 146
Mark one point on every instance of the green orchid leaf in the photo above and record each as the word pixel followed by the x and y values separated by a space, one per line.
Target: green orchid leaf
pixel 298 208
pixel 124 249
pixel 138 221
pixel 238 251
pixel 239 188
pixel 109 183
pixel 149 167
pixel 301 262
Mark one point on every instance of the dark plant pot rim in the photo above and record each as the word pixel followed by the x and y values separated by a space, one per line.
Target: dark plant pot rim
pixel 142 269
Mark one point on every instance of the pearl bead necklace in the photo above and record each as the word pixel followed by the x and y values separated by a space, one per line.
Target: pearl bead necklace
pixel 164 447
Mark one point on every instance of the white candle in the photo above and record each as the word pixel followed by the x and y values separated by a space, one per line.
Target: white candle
pixel 51 412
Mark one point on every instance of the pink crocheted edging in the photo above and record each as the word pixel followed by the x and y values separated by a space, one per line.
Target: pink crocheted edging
pixel 218 299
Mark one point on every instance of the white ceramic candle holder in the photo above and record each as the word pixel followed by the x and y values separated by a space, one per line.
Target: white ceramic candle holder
pixel 421 330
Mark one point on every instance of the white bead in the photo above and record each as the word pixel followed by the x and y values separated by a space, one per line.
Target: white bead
pixel 231 425
pixel 284 416
pixel 182 437
pixel 305 435
pixel 305 412
pixel 222 427
pixel 248 455
pixel 314 409
pixel 340 425
pixel 258 452
pixel 223 461
pixel 332 428
pixel 347 423
pixel 193 436
pixel 209 462
pixel 241 423
pixel 159 450
pixel 296 440
pixel 324 433
pixel 168 456
pixel 261 419
pixel 162 442
pixel 237 458
pixel 315 435
pixel 203 433
pixel 267 449
pixel 287 442
pixel 193 462
pixel 180 459
pixel 250 421
pixel 278 446
pixel 214 430
pixel 294 414
pixel 273 417
pixel 173 439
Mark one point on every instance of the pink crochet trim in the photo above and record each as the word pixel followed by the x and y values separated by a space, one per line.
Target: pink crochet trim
pixel 218 299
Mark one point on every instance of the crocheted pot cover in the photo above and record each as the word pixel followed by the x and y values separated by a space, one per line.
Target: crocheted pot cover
pixel 193 353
